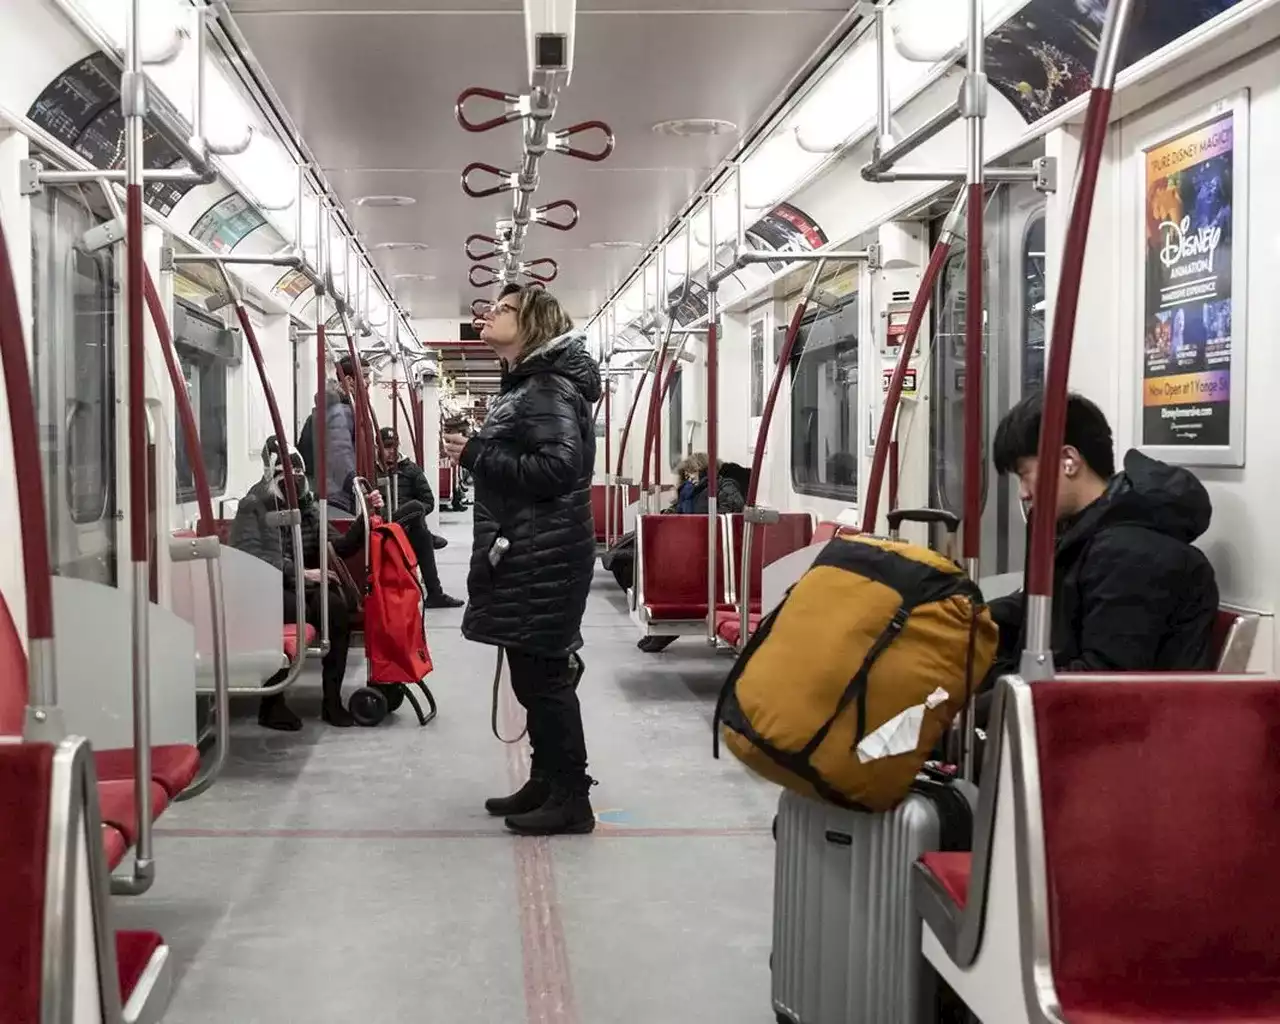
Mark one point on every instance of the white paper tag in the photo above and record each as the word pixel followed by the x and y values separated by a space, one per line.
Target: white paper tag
pixel 899 735
pixel 937 698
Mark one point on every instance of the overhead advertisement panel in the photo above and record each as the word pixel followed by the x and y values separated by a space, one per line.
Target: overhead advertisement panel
pixel 1043 57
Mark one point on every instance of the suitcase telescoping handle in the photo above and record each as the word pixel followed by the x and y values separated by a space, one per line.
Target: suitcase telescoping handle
pixel 922 515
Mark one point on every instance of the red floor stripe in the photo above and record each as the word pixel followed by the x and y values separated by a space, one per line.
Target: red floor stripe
pixel 548 990
pixel 603 831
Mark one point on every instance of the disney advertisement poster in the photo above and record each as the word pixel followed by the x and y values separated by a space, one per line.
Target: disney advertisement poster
pixel 1186 393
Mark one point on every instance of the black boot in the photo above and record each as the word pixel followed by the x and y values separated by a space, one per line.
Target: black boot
pixel 529 797
pixel 566 812
pixel 443 600
pixel 331 709
pixel 438 542
pixel 274 713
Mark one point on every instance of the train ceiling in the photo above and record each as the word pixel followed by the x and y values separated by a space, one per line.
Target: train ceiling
pixel 370 86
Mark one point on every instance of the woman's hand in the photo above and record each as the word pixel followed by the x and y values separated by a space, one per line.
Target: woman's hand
pixel 453 445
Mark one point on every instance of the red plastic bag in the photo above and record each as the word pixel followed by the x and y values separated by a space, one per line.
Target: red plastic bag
pixel 395 633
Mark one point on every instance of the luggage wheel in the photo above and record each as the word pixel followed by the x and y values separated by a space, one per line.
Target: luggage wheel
pixel 368 705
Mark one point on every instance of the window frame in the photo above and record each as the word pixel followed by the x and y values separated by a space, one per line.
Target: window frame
pixel 851 308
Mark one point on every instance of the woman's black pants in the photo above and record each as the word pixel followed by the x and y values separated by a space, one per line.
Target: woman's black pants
pixel 547 688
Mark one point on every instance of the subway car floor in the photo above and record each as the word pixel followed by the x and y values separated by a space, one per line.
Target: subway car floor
pixel 353 875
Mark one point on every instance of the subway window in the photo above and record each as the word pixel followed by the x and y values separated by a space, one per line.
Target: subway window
pixel 824 405
pixel 757 367
pixel 205 350
pixel 675 419
pixel 1033 300
pixel 74 368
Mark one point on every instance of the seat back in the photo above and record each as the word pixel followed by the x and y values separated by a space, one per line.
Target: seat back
pixel 56 950
pixel 26 774
pixel 13 675
pixel 445 490
pixel 672 558
pixel 769 542
pixel 1233 636
pixel 1158 806
pixel 621 497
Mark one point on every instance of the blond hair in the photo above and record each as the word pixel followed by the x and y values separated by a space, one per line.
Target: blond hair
pixel 540 318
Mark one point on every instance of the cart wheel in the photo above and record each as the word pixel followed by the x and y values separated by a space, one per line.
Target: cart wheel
pixel 394 695
pixel 368 705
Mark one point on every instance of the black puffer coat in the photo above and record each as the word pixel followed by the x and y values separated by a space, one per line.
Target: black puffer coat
pixel 532 463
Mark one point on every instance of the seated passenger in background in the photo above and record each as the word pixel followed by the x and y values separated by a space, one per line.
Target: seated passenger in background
pixel 691 499
pixel 416 501
pixel 1130 592
pixel 252 533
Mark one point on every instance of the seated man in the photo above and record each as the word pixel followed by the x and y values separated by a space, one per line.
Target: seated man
pixel 252 533
pixel 1130 592
pixel 416 501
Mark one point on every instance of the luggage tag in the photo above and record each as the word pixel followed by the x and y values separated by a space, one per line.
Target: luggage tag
pixel 901 734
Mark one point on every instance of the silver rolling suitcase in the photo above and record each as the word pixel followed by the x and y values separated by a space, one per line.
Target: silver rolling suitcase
pixel 846 941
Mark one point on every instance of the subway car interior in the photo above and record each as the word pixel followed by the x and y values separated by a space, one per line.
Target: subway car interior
pixel 795 272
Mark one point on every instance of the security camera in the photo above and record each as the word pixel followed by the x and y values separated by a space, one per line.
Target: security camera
pixel 549 31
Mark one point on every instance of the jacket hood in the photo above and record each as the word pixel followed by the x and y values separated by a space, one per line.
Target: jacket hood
pixel 566 356
pixel 1166 499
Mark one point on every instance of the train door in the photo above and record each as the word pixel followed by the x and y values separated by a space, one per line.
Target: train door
pixel 1013 288
pixel 74 357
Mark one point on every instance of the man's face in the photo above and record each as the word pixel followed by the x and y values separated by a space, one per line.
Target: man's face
pixel 1028 471
pixel 390 452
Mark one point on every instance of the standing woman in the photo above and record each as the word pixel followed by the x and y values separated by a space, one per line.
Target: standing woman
pixel 534 550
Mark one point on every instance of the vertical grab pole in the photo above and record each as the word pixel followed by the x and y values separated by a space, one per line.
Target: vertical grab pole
pixel 1037 659
pixel 975 104
pixel 624 488
pixel 320 439
pixel 133 107
pixel 713 431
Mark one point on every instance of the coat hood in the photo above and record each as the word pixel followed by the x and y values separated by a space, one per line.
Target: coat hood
pixel 333 392
pixel 1157 496
pixel 566 356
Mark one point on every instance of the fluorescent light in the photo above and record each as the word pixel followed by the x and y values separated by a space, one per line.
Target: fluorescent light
pixel 160 22
pixel 772 171
pixel 266 172
pixel 931 30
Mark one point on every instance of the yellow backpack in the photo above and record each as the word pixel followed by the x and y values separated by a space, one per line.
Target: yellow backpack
pixel 847 686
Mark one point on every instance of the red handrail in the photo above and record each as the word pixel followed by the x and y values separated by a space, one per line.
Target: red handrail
pixel 319 424
pixel 655 404
pixel 892 400
pixel 1053 418
pixel 191 434
pixel 419 427
pixel 626 426
pixel 277 423
pixel 134 272
pixel 559 141
pixel 973 375
pixel 25 432
pixel 784 359
pixel 365 456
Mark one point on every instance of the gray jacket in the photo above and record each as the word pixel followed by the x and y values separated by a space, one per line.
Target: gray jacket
pixel 340 447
